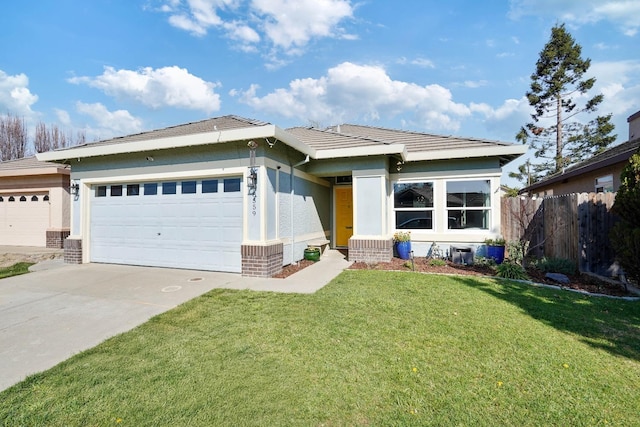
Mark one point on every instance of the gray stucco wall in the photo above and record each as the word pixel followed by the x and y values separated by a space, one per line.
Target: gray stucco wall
pixel 272 209
pixel 369 202
pixel 311 213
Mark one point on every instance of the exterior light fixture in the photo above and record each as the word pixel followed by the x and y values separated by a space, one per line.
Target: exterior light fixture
pixel 74 189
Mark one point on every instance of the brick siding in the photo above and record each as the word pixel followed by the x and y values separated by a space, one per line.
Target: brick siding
pixel 55 238
pixel 262 261
pixel 370 250
pixel 73 251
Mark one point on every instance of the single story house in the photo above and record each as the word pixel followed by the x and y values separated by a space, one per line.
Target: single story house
pixel 240 195
pixel 600 173
pixel 34 203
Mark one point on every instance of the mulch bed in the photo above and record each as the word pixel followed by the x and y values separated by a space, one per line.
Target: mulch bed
pixel 580 282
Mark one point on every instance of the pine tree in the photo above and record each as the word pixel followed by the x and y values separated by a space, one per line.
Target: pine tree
pixel 558 88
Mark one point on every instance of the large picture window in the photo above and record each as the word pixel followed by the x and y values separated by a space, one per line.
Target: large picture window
pixel 468 204
pixel 413 205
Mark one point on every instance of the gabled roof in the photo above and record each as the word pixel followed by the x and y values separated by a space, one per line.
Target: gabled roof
pixel 612 156
pixel 418 146
pixel 31 166
pixel 336 142
pixel 211 131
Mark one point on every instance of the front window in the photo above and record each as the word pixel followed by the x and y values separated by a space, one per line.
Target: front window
pixel 468 204
pixel 413 205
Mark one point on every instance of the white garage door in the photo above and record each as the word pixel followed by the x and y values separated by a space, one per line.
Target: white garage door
pixel 193 224
pixel 24 219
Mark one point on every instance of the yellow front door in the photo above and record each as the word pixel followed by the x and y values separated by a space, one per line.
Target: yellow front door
pixel 344 215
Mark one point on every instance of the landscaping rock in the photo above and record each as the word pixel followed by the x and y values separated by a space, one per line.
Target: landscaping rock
pixel 558 277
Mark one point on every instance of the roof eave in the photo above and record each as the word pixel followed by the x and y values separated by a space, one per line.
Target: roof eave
pixel 508 152
pixel 381 150
pixel 215 137
pixel 51 170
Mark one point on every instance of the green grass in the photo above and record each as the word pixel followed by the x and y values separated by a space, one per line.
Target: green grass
pixel 372 348
pixel 15 270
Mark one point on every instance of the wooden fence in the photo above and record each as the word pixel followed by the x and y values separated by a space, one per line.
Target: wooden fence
pixel 572 226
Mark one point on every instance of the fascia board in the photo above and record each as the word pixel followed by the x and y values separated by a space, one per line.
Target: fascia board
pixel 507 150
pixel 335 153
pixel 293 142
pixel 258 132
pixel 53 170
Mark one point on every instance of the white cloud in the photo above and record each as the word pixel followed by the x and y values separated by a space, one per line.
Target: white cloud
pixel 474 84
pixel 15 96
pixel 619 82
pixel 110 123
pixel 63 116
pixel 351 92
pixel 157 88
pixel 285 25
pixel 625 13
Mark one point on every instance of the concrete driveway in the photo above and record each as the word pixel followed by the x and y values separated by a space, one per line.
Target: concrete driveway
pixel 61 309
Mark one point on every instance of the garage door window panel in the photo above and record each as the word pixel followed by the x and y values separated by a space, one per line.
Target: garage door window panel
pixel 169 187
pixel 150 189
pixel 101 191
pixel 133 189
pixel 413 205
pixel 116 190
pixel 210 186
pixel 188 187
pixel 468 204
pixel 231 185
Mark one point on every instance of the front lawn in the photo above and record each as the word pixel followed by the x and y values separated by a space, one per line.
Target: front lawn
pixel 372 348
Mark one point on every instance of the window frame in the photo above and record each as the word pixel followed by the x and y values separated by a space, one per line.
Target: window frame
pixel 487 207
pixel 427 209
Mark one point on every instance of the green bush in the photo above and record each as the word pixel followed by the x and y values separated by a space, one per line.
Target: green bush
pixel 556 265
pixel 436 262
pixel 625 235
pixel 484 262
pixel 511 270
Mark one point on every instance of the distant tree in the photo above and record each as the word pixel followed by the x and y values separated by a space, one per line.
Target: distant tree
pixel 52 138
pixel 13 137
pixel 525 175
pixel 625 235
pixel 558 93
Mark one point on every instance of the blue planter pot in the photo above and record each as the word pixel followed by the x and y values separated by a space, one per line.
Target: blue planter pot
pixel 496 253
pixel 403 249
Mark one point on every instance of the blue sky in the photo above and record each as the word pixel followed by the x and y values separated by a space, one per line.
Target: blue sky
pixel 116 67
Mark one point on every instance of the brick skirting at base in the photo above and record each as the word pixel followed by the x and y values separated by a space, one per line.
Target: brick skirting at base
pixel 370 250
pixel 73 251
pixel 262 261
pixel 55 238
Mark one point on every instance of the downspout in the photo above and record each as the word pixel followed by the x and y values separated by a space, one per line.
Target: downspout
pixel 293 232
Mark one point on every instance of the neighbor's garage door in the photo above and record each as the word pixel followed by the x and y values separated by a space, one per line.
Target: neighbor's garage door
pixel 24 219
pixel 181 224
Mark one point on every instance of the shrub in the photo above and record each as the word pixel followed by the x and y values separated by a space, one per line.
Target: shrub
pixel 435 262
pixel 484 262
pixel 510 270
pixel 625 235
pixel 556 265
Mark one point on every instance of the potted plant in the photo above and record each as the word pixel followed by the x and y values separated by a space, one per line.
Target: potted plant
pixel 402 242
pixel 495 249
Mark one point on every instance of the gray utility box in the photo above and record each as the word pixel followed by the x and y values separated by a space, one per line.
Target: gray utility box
pixel 462 255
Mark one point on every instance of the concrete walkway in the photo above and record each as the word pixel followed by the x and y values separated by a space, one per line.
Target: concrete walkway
pixel 59 309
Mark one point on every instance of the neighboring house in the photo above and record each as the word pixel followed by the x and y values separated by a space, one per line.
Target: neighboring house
pixel 240 195
pixel 34 203
pixel 600 173
pixel 634 126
